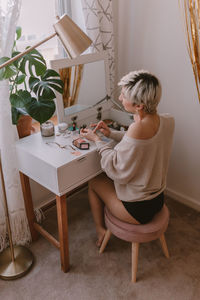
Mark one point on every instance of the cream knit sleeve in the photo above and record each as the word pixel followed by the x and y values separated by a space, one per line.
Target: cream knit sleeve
pixel 119 163
pixel 116 135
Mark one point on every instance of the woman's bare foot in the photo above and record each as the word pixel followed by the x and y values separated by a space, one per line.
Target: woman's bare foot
pixel 100 234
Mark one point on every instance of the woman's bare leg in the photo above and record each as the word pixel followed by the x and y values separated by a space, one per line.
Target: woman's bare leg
pixel 97 208
pixel 102 192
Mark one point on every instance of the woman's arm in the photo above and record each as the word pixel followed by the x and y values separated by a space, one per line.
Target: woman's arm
pixel 120 163
pixel 117 135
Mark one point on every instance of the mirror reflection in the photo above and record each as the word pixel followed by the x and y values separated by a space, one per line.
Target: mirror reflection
pixel 84 86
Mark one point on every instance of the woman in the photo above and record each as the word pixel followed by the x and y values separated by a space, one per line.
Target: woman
pixel 136 168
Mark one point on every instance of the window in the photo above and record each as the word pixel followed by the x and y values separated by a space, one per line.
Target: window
pixel 77 14
pixel 36 19
pixel 73 8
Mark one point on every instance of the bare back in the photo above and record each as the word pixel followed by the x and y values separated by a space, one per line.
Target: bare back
pixel 144 128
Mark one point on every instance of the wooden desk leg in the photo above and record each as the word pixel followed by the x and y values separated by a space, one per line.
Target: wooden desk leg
pixel 63 231
pixel 28 205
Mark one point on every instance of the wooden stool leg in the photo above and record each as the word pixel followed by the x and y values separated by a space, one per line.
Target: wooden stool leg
pixel 63 231
pixel 164 245
pixel 105 241
pixel 135 251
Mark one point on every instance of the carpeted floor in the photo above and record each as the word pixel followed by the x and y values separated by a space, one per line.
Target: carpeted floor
pixel 108 276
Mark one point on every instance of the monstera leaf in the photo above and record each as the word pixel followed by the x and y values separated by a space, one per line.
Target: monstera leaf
pixel 34 62
pixel 44 87
pixel 28 75
pixel 16 113
pixel 8 71
pixel 20 99
pixel 16 63
pixel 18 34
pixel 41 110
pixel 20 79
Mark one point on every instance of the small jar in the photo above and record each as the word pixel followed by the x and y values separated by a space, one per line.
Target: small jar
pixel 47 128
pixel 62 127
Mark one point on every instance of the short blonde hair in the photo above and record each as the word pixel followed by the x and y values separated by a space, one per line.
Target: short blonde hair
pixel 142 87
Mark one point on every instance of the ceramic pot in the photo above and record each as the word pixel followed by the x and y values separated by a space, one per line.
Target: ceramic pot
pixel 24 126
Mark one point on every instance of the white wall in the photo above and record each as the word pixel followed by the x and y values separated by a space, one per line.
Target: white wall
pixel 151 37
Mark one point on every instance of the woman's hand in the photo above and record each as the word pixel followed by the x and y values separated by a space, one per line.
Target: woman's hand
pixel 102 127
pixel 89 134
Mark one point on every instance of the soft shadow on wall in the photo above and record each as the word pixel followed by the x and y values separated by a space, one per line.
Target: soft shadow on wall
pixel 159 46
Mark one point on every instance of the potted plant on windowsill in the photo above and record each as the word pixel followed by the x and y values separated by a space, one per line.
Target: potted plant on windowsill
pixel 32 85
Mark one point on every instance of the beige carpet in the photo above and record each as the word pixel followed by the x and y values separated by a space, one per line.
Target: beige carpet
pixel 108 276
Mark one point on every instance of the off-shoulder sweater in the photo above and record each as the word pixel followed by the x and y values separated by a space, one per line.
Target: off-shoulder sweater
pixel 138 167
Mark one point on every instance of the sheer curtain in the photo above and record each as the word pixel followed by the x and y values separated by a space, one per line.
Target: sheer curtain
pixel 98 16
pixel 9 13
pixel 63 7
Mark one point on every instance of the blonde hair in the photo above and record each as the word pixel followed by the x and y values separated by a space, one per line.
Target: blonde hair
pixel 142 87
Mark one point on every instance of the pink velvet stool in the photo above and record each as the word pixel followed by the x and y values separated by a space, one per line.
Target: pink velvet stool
pixel 137 234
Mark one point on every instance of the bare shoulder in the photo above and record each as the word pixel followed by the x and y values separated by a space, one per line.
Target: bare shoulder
pixel 136 130
pixel 145 128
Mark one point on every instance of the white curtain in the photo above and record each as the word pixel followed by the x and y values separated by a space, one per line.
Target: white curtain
pixel 63 7
pixel 98 16
pixel 9 13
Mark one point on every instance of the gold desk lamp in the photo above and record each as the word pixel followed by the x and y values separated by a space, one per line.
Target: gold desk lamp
pixel 16 261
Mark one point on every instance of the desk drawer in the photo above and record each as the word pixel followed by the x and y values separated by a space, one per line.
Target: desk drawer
pixel 78 172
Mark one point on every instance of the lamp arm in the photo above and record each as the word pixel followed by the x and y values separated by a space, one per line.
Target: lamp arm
pixel 26 51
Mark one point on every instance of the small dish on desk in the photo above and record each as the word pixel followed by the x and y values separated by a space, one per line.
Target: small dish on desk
pixel 62 127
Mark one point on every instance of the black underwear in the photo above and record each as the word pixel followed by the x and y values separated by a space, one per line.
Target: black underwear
pixel 144 211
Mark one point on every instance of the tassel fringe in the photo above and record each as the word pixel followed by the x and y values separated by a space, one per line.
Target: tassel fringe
pixel 19 227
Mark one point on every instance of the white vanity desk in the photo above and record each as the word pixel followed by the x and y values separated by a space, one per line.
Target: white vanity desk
pixel 60 170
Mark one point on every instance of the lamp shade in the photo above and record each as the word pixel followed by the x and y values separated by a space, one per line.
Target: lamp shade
pixel 74 40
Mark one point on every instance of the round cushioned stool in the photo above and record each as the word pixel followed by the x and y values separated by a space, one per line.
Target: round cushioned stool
pixel 137 234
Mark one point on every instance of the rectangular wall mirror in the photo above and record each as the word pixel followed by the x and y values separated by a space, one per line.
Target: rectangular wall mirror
pixel 86 83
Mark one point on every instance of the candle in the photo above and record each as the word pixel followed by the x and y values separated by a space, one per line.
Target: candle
pixel 47 128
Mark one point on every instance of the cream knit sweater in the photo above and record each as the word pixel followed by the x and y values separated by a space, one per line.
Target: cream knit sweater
pixel 138 167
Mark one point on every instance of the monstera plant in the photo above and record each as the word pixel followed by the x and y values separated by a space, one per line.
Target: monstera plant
pixel 32 85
